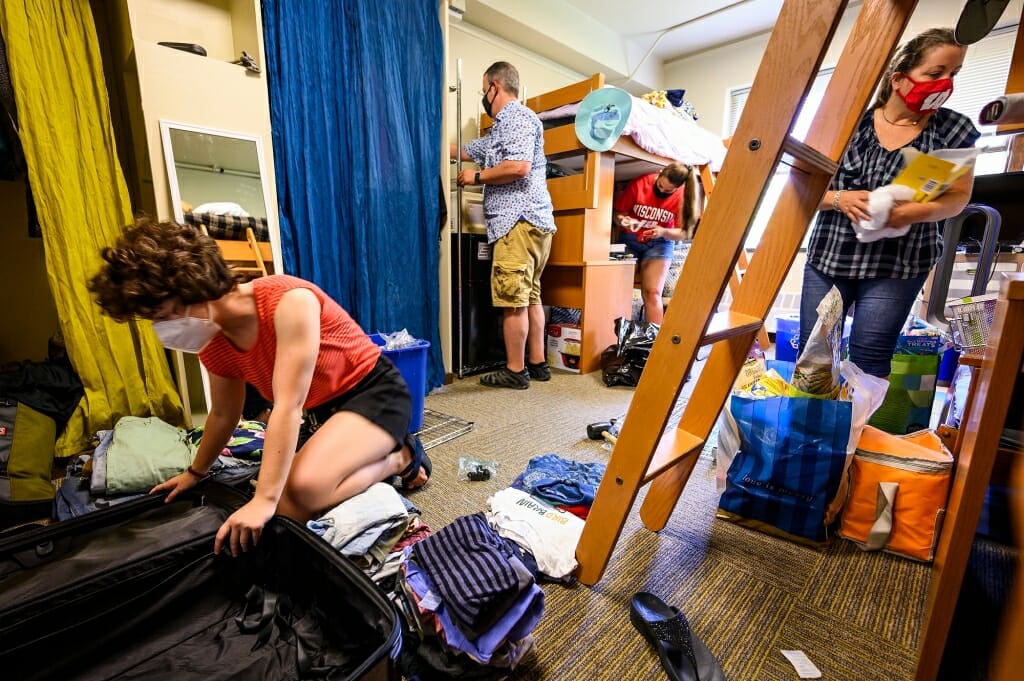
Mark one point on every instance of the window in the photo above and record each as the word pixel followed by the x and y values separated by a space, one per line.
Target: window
pixel 737 98
pixel 983 79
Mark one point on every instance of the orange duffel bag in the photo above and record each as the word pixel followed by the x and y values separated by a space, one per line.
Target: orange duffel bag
pixel 898 486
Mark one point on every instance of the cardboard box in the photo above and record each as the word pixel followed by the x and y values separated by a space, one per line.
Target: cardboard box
pixel 564 344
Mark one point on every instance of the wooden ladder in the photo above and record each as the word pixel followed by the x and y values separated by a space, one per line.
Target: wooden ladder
pixel 647 451
pixel 708 179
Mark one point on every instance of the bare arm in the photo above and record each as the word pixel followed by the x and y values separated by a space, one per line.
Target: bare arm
pixel 297 324
pixel 297 327
pixel 453 152
pixel 227 396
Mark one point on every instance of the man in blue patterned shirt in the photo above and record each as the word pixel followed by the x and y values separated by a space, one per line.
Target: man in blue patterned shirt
pixel 520 222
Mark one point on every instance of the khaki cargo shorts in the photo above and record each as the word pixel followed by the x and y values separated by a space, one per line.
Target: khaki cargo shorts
pixel 518 261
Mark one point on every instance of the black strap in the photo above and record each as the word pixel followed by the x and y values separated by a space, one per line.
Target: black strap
pixel 264 608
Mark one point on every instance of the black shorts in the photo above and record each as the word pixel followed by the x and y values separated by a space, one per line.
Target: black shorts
pixel 382 398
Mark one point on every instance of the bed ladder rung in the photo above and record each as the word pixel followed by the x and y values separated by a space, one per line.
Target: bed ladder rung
pixel 808 158
pixel 674 446
pixel 728 324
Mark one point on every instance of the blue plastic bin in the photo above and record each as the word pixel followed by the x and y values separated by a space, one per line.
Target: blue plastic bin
pixel 787 337
pixel 947 367
pixel 411 362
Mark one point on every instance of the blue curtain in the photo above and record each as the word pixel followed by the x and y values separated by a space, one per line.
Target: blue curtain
pixel 355 88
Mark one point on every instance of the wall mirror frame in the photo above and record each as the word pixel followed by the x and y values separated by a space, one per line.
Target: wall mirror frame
pixel 222 172
pixel 216 173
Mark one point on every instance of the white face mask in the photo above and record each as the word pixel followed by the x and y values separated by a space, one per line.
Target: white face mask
pixel 188 334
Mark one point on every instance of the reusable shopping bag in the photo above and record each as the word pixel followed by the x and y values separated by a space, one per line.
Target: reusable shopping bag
pixel 785 457
pixel 908 402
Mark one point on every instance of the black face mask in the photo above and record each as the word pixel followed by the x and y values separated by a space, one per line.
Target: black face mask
pixel 662 195
pixel 488 104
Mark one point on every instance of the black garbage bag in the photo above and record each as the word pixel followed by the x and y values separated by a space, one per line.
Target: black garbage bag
pixel 622 363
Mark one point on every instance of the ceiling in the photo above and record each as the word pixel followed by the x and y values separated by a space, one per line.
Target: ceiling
pixel 627 40
pixel 630 41
pixel 676 28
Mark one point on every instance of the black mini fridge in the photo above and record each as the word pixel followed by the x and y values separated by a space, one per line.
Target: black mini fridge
pixel 476 324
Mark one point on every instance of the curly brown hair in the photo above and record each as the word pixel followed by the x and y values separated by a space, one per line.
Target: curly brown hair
pixel 153 262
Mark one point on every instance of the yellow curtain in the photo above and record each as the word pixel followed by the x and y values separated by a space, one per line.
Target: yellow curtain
pixel 82 203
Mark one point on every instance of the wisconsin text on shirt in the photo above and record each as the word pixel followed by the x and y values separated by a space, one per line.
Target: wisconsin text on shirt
pixel 653 213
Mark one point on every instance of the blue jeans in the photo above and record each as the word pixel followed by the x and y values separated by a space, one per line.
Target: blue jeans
pixel 654 249
pixel 881 307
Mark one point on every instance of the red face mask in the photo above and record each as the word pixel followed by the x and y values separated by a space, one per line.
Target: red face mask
pixel 927 96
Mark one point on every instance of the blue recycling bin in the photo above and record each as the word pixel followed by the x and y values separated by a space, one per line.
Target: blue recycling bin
pixel 787 337
pixel 411 362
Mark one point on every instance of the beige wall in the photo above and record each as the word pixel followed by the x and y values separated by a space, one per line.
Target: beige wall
pixel 709 76
pixel 206 91
pixel 478 50
pixel 29 315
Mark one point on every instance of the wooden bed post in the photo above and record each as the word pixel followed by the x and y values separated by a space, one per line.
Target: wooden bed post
pixel 647 451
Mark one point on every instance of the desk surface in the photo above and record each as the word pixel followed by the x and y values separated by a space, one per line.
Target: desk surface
pixel 972 357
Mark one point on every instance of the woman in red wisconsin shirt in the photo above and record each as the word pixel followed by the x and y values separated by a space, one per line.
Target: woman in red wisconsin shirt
pixel 647 214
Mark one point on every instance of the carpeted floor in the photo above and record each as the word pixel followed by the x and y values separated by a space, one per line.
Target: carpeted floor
pixel 747 595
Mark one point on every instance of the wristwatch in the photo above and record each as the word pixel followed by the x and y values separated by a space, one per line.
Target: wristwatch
pixel 476 178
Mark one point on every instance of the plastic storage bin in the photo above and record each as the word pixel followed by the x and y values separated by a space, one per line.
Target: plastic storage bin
pixel 411 362
pixel 787 337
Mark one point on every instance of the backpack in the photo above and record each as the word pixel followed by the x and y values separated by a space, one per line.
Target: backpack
pixel 27 440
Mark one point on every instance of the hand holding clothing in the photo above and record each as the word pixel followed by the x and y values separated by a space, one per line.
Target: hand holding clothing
pixel 856 205
pixel 883 203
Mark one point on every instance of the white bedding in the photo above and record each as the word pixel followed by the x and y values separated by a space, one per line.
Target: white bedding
pixel 662 132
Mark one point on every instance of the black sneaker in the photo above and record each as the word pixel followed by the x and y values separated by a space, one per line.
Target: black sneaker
pixel 506 378
pixel 539 371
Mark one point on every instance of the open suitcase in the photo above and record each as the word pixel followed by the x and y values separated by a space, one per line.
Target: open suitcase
pixel 135 592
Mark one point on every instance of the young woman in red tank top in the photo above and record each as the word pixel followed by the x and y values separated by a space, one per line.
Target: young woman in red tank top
pixel 341 410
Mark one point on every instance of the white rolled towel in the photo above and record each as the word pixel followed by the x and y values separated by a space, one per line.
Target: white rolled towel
pixel 880 203
pixel 1003 110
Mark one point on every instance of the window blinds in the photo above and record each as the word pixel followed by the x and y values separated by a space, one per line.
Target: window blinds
pixel 983 77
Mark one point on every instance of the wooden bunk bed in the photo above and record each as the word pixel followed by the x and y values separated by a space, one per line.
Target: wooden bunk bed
pixel 243 241
pixel 580 274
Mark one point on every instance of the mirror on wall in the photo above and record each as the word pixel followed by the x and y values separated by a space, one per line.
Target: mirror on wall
pixel 216 174
pixel 217 179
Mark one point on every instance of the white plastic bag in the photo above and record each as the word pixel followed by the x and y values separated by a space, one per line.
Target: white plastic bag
pixel 398 339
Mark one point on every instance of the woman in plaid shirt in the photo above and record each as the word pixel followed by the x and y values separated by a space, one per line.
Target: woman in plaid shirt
pixel 882 278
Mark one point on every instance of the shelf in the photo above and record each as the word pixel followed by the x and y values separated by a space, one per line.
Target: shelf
pixel 224 28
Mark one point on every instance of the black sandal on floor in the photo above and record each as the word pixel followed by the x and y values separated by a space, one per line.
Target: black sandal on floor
pixel 419 460
pixel 539 371
pixel 683 656
pixel 506 378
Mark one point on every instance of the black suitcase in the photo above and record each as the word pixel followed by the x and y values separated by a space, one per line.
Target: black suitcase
pixel 135 592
